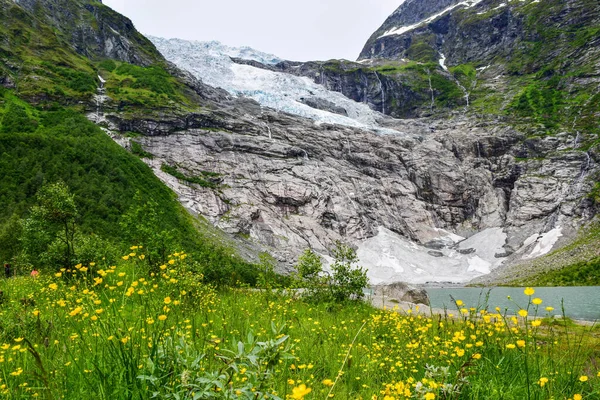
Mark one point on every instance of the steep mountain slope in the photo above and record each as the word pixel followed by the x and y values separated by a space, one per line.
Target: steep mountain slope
pixel 52 55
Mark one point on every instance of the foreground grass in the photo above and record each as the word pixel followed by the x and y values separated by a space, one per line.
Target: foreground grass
pixel 119 333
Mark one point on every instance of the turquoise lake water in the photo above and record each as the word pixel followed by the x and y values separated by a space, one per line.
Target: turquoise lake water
pixel 579 302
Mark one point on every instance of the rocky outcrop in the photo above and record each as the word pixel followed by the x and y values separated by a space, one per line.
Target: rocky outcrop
pixel 111 35
pixel 400 291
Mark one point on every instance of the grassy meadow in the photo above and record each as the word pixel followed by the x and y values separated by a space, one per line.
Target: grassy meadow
pixel 128 331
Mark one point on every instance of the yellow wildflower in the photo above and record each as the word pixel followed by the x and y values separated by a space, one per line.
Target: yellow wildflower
pixel 529 291
pixel 583 378
pixel 76 311
pixel 537 301
pixel 299 392
pixel 523 313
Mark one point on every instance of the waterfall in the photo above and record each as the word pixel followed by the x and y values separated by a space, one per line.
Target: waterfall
pixel 381 88
pixel 467 95
pixel 100 97
pixel 443 62
pixel 585 170
pixel 305 155
pixel 366 88
pixel 431 89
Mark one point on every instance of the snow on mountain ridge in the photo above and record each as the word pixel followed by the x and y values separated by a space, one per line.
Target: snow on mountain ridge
pixel 211 62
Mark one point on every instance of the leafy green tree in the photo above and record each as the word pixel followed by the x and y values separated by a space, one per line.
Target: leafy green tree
pixel 49 231
pixel 143 225
pixel 267 278
pixel 10 233
pixel 309 266
pixel 348 279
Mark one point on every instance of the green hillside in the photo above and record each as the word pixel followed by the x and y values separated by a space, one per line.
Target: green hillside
pixel 48 76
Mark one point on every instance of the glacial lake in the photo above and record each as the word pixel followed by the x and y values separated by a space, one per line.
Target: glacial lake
pixel 579 302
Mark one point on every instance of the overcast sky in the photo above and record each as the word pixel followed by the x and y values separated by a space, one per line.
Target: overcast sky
pixel 295 30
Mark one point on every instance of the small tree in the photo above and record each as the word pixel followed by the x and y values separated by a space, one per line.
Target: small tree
pixel 50 227
pixel 348 279
pixel 143 225
pixel 309 266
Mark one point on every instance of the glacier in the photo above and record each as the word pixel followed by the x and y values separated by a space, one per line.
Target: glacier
pixel 212 63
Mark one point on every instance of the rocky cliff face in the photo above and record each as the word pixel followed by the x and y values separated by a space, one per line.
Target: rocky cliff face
pixel 110 35
pixel 489 161
pixel 404 200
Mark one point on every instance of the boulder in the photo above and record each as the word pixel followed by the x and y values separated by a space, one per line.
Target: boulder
pixel 402 292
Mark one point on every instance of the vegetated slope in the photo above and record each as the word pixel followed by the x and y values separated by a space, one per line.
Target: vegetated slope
pixel 52 54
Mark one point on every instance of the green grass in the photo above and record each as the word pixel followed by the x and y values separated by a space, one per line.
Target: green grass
pixel 120 332
pixel 585 273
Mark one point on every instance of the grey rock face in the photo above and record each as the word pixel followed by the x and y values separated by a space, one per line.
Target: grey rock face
pixel 390 95
pixel 289 184
pixel 409 13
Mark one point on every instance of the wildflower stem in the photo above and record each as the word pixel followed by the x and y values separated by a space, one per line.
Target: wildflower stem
pixel 345 359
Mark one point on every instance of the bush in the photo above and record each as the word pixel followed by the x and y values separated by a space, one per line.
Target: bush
pixel 346 281
pixel 16 120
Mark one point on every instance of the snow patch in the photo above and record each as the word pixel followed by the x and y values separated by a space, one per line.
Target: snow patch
pixel 545 243
pixel 389 257
pixel 404 29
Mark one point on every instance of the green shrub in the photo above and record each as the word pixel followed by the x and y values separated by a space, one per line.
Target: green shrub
pixel 153 78
pixel 345 282
pixel 17 120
